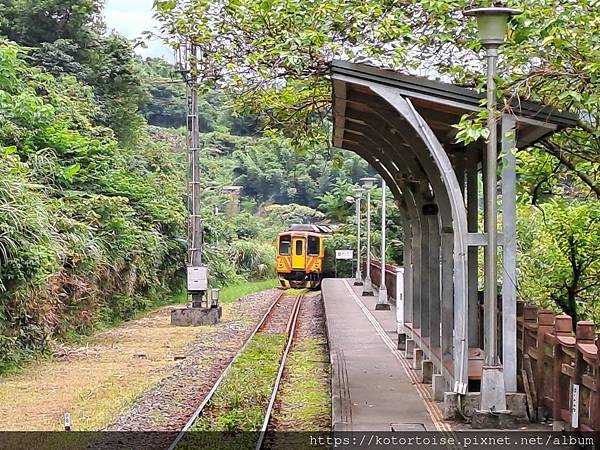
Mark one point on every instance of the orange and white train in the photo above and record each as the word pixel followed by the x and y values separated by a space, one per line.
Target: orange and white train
pixel 301 256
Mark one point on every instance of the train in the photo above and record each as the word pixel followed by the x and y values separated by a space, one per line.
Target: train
pixel 301 256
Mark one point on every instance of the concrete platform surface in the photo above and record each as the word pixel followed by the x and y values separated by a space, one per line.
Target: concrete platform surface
pixel 370 388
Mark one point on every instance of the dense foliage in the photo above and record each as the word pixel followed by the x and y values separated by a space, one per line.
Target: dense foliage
pixel 89 229
pixel 93 226
pixel 274 55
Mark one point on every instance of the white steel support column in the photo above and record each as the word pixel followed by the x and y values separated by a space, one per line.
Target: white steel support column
pixel 382 302
pixel 509 255
pixel 400 300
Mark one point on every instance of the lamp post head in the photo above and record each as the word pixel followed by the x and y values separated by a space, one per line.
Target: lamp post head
pixel 358 192
pixel 492 23
pixel 368 182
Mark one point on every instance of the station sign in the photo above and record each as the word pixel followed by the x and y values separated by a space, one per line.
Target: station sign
pixel 344 254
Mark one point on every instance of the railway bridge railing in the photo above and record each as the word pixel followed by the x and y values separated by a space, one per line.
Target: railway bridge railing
pixel 559 367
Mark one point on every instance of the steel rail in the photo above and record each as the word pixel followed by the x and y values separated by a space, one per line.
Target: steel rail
pixel 291 331
pixel 208 397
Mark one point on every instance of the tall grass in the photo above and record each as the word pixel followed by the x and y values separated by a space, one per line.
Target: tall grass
pixel 237 291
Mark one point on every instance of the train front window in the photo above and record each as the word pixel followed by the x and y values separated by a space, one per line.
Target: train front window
pixel 299 247
pixel 285 245
pixel 313 246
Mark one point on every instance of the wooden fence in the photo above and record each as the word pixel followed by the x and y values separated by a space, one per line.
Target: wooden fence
pixel 560 370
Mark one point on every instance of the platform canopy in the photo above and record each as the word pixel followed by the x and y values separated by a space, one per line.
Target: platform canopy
pixel 403 126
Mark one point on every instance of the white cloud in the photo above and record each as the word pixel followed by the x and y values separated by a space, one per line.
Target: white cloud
pixel 132 17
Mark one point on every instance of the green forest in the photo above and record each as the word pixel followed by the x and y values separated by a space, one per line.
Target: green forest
pixel 93 207
pixel 93 180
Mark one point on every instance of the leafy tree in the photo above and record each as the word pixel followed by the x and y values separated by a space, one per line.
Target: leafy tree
pixel 35 22
pixel 116 77
pixel 60 57
pixel 560 256
pixel 167 105
pixel 276 54
pixel 338 203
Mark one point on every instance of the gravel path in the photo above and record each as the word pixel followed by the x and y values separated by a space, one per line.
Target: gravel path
pixel 169 404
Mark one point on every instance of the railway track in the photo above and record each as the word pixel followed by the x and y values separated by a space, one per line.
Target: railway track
pixel 290 333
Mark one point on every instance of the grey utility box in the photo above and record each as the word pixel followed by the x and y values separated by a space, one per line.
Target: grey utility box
pixel 197 279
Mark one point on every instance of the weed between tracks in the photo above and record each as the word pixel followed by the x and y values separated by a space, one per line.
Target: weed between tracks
pixel 304 397
pixel 241 400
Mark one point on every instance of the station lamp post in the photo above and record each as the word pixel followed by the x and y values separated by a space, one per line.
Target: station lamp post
pixel 382 301
pixel 492 23
pixel 368 184
pixel 358 195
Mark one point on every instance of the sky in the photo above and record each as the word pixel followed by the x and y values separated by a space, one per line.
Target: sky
pixel 130 18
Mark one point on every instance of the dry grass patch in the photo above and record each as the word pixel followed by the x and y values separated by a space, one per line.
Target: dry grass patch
pixel 94 383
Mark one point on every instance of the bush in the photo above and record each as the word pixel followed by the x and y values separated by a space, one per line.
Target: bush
pixel 255 259
pixel 88 230
pixel 559 256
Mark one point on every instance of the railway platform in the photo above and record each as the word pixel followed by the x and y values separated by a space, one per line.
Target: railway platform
pixel 373 386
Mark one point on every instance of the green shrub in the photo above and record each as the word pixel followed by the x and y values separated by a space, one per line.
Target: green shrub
pixel 89 231
pixel 255 259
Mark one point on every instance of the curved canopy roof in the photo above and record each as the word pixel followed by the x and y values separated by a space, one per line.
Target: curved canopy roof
pixel 440 104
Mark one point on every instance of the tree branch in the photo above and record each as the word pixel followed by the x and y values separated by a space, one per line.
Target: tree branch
pixel 557 152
